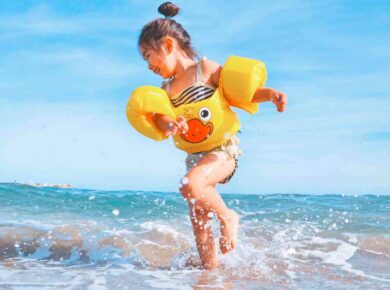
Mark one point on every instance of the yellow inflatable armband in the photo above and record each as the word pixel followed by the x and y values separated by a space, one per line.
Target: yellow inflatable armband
pixel 240 78
pixel 143 103
pixel 210 120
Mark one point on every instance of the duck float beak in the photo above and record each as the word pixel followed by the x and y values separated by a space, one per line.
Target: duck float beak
pixel 197 131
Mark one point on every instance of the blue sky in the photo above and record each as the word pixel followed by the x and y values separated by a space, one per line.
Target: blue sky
pixel 67 70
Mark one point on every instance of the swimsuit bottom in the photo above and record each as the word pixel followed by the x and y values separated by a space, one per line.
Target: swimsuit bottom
pixel 227 150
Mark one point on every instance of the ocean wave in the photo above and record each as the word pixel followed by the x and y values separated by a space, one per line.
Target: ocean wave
pixel 299 241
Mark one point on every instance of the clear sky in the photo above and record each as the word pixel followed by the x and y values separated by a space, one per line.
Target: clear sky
pixel 67 69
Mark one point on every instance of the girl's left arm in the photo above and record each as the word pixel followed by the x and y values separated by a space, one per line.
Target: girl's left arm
pixel 261 95
pixel 268 94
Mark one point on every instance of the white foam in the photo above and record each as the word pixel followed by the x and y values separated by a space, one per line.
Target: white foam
pixel 339 257
pixel 168 279
pixel 352 238
pixel 121 232
pixel 98 283
pixel 161 228
pixel 343 252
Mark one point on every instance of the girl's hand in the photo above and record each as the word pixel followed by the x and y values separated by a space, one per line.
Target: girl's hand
pixel 170 126
pixel 279 99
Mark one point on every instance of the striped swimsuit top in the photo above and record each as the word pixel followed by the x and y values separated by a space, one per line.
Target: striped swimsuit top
pixel 194 93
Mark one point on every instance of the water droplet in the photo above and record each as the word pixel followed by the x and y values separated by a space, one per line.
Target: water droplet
pixel 184 180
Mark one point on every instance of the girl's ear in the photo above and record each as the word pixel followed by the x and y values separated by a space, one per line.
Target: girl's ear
pixel 168 44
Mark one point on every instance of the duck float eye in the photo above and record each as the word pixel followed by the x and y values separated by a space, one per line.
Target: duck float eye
pixel 205 114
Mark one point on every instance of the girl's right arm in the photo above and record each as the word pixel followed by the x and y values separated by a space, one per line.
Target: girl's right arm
pixel 170 126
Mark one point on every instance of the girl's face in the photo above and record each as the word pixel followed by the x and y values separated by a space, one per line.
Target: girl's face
pixel 160 62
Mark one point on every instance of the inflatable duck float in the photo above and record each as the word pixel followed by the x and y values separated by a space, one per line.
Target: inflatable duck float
pixel 211 122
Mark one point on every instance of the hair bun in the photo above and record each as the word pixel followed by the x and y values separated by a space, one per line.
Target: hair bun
pixel 168 9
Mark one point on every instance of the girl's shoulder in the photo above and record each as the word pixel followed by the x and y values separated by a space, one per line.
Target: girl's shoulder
pixel 212 69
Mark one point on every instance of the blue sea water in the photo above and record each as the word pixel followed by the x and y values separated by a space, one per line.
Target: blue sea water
pixel 53 238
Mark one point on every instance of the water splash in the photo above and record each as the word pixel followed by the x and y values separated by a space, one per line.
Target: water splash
pixel 65 238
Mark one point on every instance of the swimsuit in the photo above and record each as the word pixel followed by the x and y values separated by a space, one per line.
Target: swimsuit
pixel 195 93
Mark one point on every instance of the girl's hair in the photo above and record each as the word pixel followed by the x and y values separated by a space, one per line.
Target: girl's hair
pixel 153 32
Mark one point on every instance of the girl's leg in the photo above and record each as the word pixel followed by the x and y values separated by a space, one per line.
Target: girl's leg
pixel 199 189
pixel 204 237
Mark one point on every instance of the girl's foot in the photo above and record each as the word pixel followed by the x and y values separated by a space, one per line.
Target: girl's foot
pixel 229 227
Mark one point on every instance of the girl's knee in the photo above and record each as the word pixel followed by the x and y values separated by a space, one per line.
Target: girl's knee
pixel 192 189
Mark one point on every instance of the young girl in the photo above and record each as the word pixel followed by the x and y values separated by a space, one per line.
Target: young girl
pixel 166 47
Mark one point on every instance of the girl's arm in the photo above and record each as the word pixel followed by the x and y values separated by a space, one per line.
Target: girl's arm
pixel 168 125
pixel 268 94
pixel 211 70
pixel 261 95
